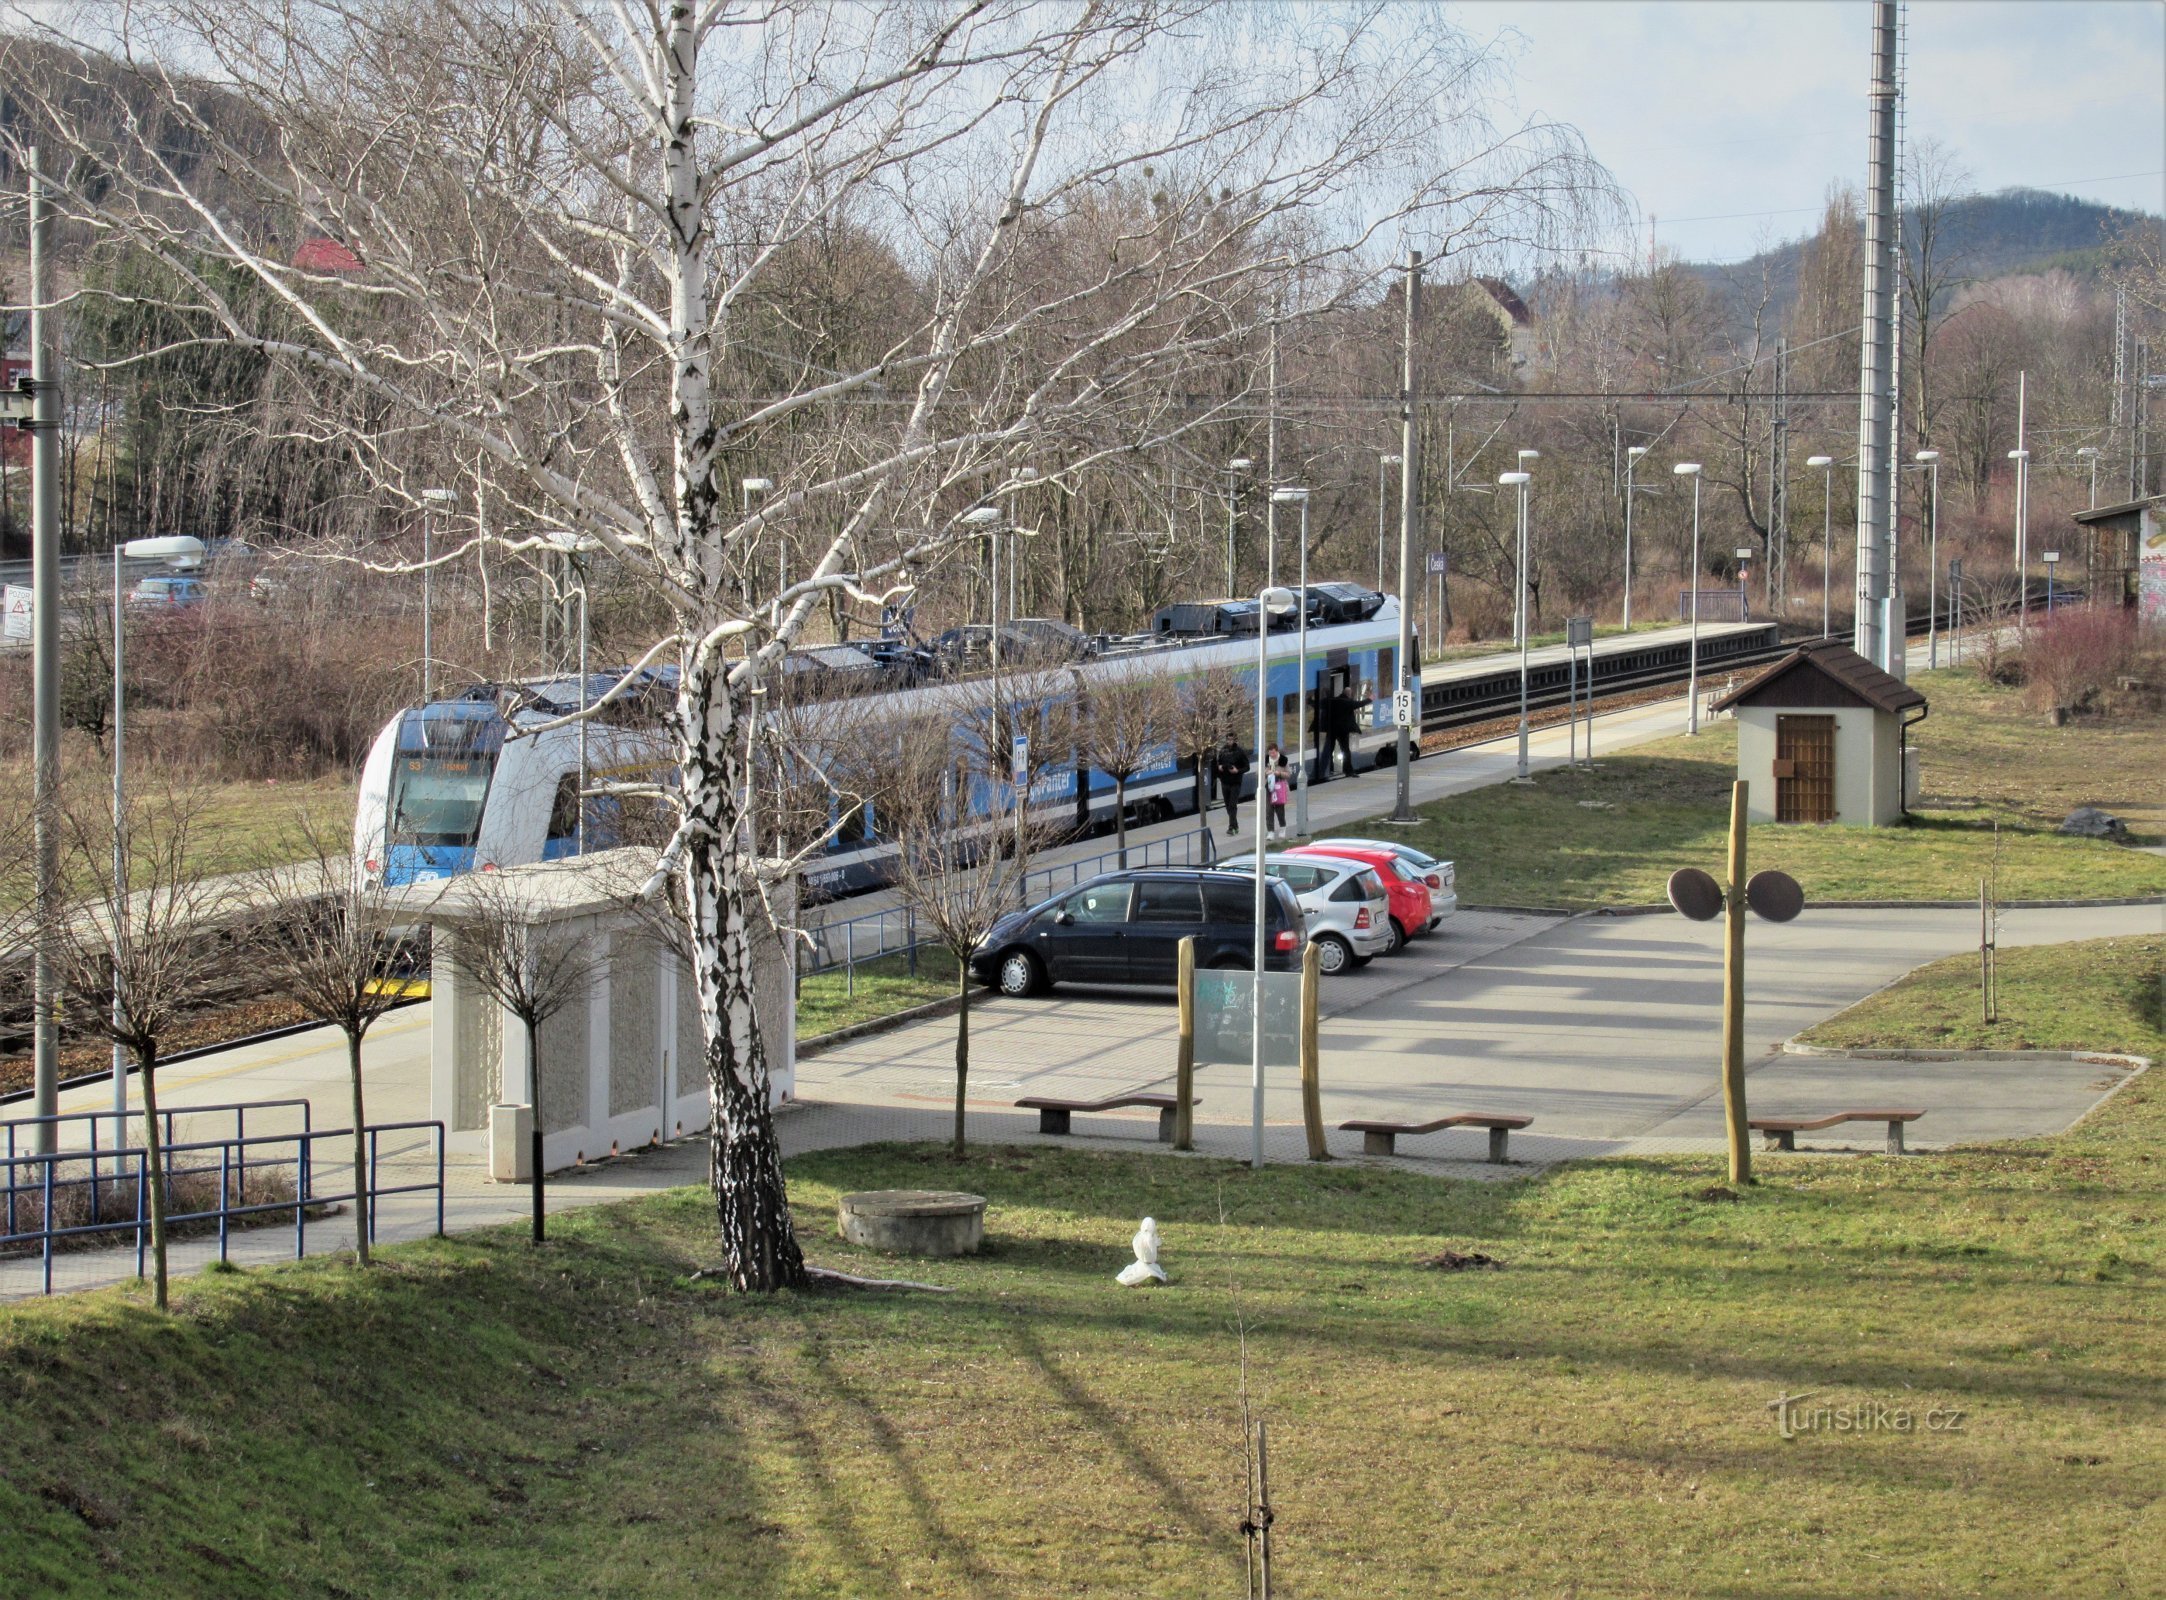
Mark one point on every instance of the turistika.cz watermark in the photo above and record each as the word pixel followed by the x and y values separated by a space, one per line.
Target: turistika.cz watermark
pixel 1799 1414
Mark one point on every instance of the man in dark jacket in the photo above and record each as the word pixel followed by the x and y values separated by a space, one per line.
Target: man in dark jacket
pixel 1337 715
pixel 1229 767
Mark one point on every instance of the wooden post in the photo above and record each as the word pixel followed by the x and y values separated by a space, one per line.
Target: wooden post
pixel 1184 1063
pixel 1312 1090
pixel 1733 996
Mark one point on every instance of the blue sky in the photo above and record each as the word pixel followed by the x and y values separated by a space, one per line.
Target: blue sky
pixel 1708 108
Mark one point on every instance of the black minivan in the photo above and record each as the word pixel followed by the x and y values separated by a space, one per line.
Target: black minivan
pixel 1126 927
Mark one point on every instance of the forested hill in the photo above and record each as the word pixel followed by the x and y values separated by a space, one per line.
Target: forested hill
pixel 1985 236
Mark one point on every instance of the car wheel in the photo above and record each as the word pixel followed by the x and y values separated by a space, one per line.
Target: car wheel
pixel 1020 973
pixel 1333 954
pixel 1398 938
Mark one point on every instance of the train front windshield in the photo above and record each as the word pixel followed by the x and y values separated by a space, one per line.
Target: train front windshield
pixel 438 802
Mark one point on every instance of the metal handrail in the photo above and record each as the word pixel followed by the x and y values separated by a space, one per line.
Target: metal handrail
pixel 232 1166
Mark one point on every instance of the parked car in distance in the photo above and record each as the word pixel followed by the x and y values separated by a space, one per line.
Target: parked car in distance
pixel 166 594
pixel 1441 876
pixel 1413 908
pixel 1347 906
pixel 1126 928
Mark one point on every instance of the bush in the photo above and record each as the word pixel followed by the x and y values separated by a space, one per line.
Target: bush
pixel 2072 658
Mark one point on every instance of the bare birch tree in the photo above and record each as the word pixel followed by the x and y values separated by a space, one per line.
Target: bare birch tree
pixel 573 240
pixel 136 956
pixel 335 952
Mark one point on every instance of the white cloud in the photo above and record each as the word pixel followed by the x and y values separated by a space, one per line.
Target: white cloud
pixel 1706 110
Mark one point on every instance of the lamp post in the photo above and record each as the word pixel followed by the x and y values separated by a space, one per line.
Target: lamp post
pixel 1632 459
pixel 2052 559
pixel 989 519
pixel 1382 461
pixel 1298 497
pixel 1930 460
pixel 747 488
pixel 1519 481
pixel 1525 623
pixel 2022 459
pixel 1826 464
pixel 2090 453
pixel 1265 602
pixel 430 500
pixel 173 547
pixel 1233 468
pixel 1691 469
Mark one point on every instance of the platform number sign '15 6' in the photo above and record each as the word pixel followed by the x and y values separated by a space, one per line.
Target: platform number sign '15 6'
pixel 1402 708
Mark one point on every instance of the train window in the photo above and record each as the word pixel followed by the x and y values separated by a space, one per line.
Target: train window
pixel 853 826
pixel 1387 678
pixel 564 810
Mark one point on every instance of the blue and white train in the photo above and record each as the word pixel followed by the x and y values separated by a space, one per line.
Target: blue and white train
pixel 445 790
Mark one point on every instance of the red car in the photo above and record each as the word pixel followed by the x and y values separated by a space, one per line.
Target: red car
pixel 1413 913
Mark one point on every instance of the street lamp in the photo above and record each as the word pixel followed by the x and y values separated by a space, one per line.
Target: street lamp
pixel 1826 464
pixel 1525 623
pixel 1930 460
pixel 1691 469
pixel 2022 459
pixel 1299 497
pixel 2090 453
pixel 1520 480
pixel 1382 461
pixel 430 500
pixel 1238 465
pixel 574 546
pixel 1266 602
pixel 1632 459
pixel 990 519
pixel 172 547
pixel 747 488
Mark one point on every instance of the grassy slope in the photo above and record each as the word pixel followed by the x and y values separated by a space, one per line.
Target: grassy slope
pixel 479 1419
pixel 2097 994
pixel 1613 836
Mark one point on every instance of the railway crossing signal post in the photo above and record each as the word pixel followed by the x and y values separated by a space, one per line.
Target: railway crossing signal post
pixel 1772 895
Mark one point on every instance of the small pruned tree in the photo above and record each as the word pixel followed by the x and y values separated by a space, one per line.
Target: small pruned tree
pixel 143 947
pixel 502 945
pixel 1124 726
pixel 1211 707
pixel 335 951
pixel 964 837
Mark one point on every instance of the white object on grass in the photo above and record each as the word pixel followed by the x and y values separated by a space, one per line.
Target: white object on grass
pixel 1145 1268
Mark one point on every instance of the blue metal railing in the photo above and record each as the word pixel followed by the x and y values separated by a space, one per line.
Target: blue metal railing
pixel 55 1178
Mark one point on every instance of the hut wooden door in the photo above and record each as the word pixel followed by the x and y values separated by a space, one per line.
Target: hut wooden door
pixel 1804 769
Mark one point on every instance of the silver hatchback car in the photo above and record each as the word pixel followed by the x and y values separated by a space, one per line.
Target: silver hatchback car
pixel 1348 909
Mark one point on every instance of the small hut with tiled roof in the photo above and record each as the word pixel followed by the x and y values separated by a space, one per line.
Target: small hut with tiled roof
pixel 1822 736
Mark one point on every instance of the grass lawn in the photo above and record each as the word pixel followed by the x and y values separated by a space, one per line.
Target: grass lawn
pixel 825 1001
pixel 1613 836
pixel 246 825
pixel 478 1418
pixel 2096 994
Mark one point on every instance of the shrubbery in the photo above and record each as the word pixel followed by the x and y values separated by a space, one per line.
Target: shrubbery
pixel 2072 658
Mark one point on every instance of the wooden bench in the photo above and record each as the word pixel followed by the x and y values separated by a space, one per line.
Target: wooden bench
pixel 1053 1114
pixel 1782 1132
pixel 1381 1138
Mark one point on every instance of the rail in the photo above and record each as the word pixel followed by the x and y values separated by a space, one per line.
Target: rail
pixel 61 1188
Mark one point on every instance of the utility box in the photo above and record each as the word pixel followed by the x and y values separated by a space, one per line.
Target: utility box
pixel 1823 736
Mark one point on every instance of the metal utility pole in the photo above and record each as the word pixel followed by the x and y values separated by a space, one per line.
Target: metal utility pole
pixel 1778 498
pixel 1876 375
pixel 45 652
pixel 1409 522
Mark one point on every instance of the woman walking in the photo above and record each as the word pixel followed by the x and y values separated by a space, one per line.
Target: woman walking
pixel 1277 777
